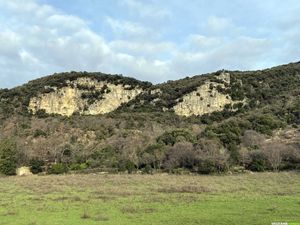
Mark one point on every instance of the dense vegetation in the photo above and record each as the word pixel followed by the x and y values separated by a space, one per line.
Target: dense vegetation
pixel 145 135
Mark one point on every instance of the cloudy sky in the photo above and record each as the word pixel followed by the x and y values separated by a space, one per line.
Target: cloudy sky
pixel 150 40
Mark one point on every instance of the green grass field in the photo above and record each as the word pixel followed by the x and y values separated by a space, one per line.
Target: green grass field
pixel 259 198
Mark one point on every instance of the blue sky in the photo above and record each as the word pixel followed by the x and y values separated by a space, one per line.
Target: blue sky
pixel 147 39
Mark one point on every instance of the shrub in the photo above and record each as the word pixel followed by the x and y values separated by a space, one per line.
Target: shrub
pixel 147 169
pixel 126 165
pixel 78 166
pixel 274 154
pixel 8 157
pixel 152 156
pixel 258 162
pixel 39 132
pixel 291 157
pixel 105 158
pixel 170 138
pixel 58 168
pixel 252 139
pixel 265 123
pixel 36 165
pixel 41 113
pixel 211 157
pixel 181 155
pixel 206 166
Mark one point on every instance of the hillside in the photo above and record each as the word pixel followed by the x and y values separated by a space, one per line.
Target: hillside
pixel 205 123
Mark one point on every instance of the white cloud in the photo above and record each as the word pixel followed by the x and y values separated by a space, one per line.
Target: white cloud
pixel 66 22
pixel 146 10
pixel 127 29
pixel 200 41
pixel 37 39
pixel 151 70
pixel 239 53
pixel 62 42
pixel 147 49
pixel 218 24
pixel 27 58
pixel 27 7
pixel 9 43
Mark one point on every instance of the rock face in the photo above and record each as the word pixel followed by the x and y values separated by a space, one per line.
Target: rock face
pixel 206 99
pixel 23 171
pixel 88 96
pixel 85 96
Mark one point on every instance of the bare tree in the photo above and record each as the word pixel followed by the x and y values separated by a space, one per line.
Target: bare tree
pixel 252 139
pixel 182 154
pixel 273 151
pixel 244 156
pixel 212 151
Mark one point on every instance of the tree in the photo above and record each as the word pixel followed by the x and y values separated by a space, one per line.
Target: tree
pixel 291 156
pixel 170 138
pixel 258 161
pixel 153 156
pixel 181 155
pixel 211 156
pixel 8 157
pixel 273 153
pixel 244 156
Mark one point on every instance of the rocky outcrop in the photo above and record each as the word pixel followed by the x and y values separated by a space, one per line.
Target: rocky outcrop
pixel 84 96
pixel 206 99
pixel 23 171
pixel 88 96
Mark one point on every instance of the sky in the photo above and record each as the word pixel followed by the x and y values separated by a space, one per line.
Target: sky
pixel 151 40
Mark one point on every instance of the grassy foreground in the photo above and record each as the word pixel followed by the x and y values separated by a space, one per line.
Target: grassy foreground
pixel 150 199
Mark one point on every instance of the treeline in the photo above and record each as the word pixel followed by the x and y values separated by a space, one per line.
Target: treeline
pixel 176 151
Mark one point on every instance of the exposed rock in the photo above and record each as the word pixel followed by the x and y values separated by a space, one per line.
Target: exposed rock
pixel 206 99
pixel 155 91
pixel 23 171
pixel 88 96
pixel 68 100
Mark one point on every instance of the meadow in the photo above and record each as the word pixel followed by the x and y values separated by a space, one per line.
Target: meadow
pixel 242 199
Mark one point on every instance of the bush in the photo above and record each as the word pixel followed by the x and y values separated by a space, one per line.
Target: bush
pixel 58 168
pixel 36 165
pixel 170 138
pixel 8 157
pixel 152 156
pixel 211 157
pixel 206 166
pixel 265 124
pixel 181 155
pixel 126 165
pixel 41 113
pixel 39 132
pixel 258 162
pixel 147 169
pixel 78 166
pixel 291 157
pixel 104 158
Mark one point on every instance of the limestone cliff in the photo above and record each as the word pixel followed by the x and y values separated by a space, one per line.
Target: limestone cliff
pixel 85 96
pixel 206 99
